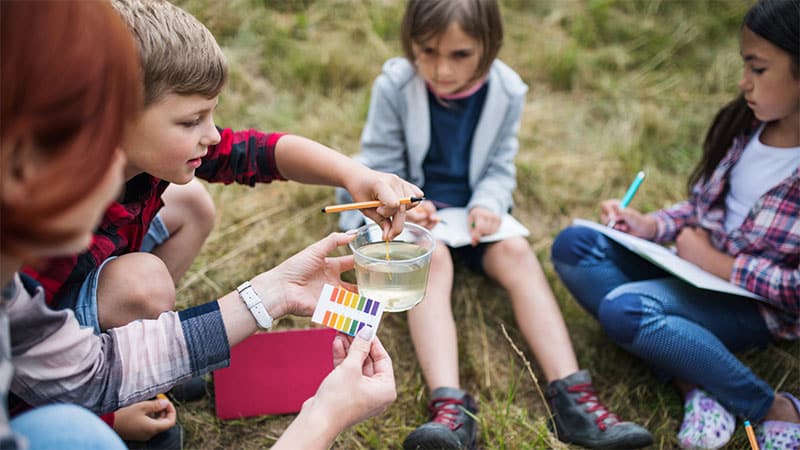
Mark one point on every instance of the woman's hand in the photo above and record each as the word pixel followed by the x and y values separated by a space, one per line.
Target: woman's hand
pixel 482 222
pixel 389 189
pixel 628 220
pixel 297 282
pixel 141 421
pixel 362 384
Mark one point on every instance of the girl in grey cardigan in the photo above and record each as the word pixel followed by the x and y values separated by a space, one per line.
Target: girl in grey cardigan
pixel 446 118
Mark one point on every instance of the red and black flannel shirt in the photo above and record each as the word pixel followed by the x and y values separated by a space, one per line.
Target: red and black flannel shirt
pixel 243 157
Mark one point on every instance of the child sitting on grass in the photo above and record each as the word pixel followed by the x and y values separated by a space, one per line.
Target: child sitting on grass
pixel 446 118
pixel 150 235
pixel 741 223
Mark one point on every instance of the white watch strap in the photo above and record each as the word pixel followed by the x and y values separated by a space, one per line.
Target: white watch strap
pixel 255 305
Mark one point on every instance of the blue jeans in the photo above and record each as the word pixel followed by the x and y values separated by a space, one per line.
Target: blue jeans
pixel 65 426
pixel 83 301
pixel 680 330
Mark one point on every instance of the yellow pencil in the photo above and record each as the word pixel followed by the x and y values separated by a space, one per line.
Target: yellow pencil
pixel 366 205
pixel 750 435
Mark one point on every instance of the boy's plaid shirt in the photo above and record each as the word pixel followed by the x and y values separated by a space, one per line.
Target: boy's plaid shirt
pixel 766 247
pixel 243 157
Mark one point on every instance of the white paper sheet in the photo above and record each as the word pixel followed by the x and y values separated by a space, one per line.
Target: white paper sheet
pixel 454 229
pixel 672 263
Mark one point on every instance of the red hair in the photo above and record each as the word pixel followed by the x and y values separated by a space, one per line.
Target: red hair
pixel 70 86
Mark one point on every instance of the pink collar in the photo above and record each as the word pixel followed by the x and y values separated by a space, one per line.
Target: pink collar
pixel 459 95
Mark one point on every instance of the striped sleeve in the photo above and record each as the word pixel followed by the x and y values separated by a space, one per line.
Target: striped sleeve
pixel 670 220
pixel 57 360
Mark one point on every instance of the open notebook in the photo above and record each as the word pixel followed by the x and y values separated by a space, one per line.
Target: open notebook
pixel 454 231
pixel 273 373
pixel 672 263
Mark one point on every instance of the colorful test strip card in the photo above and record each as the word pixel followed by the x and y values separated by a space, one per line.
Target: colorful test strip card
pixel 346 311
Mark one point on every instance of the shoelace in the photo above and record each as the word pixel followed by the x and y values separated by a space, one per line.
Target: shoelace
pixel 589 397
pixel 445 411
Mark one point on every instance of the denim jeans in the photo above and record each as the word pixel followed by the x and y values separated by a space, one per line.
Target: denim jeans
pixel 681 331
pixel 65 426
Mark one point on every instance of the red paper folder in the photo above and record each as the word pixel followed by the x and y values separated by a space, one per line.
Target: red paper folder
pixel 273 373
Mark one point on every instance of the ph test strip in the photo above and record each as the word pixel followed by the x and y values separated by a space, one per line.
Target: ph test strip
pixel 346 311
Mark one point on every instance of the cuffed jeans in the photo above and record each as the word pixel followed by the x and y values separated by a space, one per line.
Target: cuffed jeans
pixel 681 331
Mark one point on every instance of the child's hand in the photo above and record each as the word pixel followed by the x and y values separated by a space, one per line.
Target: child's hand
pixel 141 421
pixel 389 189
pixel 297 282
pixel 424 215
pixel 628 220
pixel 694 245
pixel 482 222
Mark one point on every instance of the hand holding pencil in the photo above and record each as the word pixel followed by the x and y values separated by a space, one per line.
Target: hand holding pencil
pixel 628 196
pixel 616 214
pixel 628 220
pixel 366 205
pixel 367 185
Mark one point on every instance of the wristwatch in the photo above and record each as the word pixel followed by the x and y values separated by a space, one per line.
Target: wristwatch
pixel 254 304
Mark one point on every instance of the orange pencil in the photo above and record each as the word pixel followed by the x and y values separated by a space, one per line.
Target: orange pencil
pixel 366 205
pixel 750 435
pixel 160 414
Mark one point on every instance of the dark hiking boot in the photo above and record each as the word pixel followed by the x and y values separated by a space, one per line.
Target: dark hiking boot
pixel 190 390
pixel 580 418
pixel 171 439
pixel 452 424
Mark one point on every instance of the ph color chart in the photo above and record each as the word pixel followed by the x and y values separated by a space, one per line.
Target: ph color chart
pixel 346 311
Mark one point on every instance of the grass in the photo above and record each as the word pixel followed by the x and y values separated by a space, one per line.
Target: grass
pixel 615 87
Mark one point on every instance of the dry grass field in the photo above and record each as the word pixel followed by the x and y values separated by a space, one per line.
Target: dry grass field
pixel 615 86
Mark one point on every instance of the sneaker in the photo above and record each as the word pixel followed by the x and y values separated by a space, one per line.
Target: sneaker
pixel 171 439
pixel 452 424
pixel 707 425
pixel 778 435
pixel 190 390
pixel 580 418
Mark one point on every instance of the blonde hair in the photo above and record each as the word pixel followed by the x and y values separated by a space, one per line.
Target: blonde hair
pixel 480 19
pixel 178 54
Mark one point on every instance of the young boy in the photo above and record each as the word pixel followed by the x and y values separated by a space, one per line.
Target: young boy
pixel 159 223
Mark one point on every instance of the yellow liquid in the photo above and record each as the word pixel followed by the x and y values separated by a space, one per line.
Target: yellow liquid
pixel 388 257
pixel 397 282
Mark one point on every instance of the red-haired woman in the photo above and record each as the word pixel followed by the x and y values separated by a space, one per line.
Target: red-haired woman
pixel 70 85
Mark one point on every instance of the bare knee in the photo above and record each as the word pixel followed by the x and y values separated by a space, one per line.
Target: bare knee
pixel 200 205
pixel 131 287
pixel 189 204
pixel 441 256
pixel 516 252
pixel 512 263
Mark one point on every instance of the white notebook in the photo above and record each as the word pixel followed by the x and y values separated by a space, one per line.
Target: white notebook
pixel 672 263
pixel 454 229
